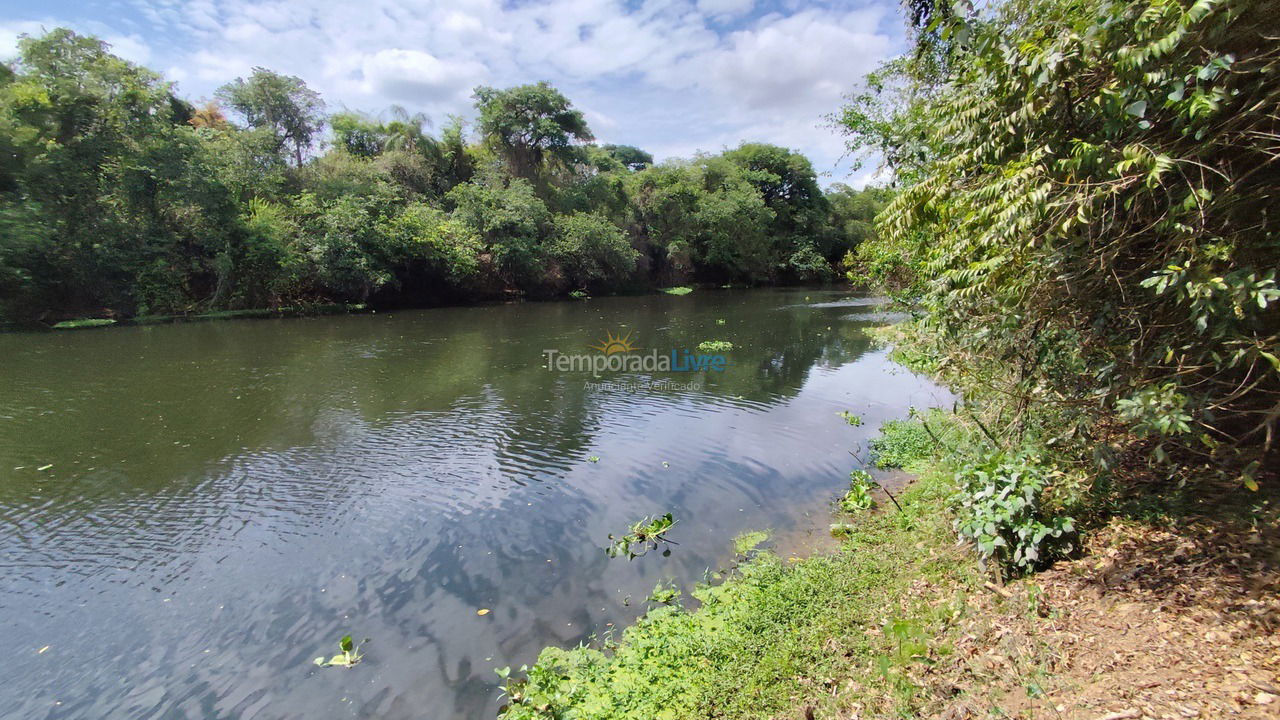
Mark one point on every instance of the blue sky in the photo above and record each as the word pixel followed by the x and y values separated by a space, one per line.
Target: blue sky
pixel 672 76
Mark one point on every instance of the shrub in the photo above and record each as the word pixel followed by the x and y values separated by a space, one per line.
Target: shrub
pixel 591 248
pixel 510 218
pixel 999 509
pixel 446 245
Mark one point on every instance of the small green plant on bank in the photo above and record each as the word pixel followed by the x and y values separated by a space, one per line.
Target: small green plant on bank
pixel 858 498
pixel 664 593
pixel 1000 510
pixel 842 531
pixel 852 419
pixel 644 536
pixel 715 346
pixel 907 645
pixel 348 657
pixel 680 290
pixel 579 294
pixel 720 321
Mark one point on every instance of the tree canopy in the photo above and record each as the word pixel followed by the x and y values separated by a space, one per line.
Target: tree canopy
pixel 531 126
pixel 282 104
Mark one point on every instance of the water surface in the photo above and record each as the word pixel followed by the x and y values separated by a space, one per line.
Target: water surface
pixel 190 514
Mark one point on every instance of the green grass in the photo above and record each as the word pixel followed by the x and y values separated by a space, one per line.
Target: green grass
pixel 913 444
pixel 771 635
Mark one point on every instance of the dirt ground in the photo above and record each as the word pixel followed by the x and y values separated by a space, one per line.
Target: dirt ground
pixel 1150 622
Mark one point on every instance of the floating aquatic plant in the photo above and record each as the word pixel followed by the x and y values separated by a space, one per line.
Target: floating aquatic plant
pixel 645 535
pixel 715 346
pixel 349 656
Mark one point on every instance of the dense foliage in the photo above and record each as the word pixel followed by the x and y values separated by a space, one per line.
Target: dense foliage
pixel 1086 224
pixel 119 198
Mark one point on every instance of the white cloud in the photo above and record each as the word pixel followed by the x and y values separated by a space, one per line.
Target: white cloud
pixel 417 76
pixel 806 59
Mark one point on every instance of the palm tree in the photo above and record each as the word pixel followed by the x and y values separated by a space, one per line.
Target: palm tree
pixel 407 132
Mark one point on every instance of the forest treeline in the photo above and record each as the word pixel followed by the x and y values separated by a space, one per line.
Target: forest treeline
pixel 120 198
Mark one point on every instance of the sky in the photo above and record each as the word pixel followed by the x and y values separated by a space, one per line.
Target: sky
pixel 671 76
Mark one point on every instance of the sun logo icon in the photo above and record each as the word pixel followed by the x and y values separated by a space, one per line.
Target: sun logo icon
pixel 613 344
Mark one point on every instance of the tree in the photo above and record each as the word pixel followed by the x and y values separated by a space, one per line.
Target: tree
pixel 732 226
pixel 456 163
pixel 706 218
pixel 853 215
pixel 357 134
pixel 511 219
pixel 631 157
pixel 407 131
pixel 591 249
pixel 282 103
pixel 531 126
pixel 788 185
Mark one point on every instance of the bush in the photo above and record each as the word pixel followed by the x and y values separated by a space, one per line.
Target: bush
pixel 999 509
pixel 447 246
pixel 808 264
pixel 591 248
pixel 510 218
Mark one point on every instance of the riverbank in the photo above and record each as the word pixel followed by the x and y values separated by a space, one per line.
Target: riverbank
pixel 292 311
pixel 780 636
pixel 1169 610
pixel 321 309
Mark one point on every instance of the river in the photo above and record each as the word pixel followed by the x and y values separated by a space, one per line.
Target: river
pixel 189 514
